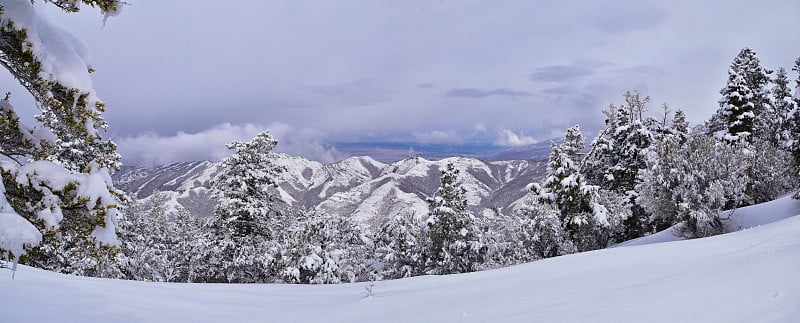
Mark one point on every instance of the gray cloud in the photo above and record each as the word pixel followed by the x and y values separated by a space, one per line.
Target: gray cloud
pixel 209 144
pixel 360 71
pixel 481 93
pixel 626 16
pixel 560 73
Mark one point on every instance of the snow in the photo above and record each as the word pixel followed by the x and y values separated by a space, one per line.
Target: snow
pixel 64 58
pixel 734 220
pixel 16 232
pixel 746 276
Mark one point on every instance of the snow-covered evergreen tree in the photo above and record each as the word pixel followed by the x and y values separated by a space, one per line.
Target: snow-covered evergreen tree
pixel 791 128
pixel 454 241
pixel 401 247
pixel 324 248
pixel 784 108
pixel 57 201
pixel 185 254
pixel 692 183
pixel 566 189
pixel 619 153
pixel 574 143
pixel 243 226
pixel 745 111
pixel 244 189
pixel 146 236
pixel 680 127
pixel 539 233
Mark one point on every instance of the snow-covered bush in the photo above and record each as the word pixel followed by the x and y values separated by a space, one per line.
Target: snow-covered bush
pixel 400 248
pixel 324 249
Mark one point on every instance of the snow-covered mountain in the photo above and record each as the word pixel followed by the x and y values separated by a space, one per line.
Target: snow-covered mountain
pixel 361 187
pixel 745 276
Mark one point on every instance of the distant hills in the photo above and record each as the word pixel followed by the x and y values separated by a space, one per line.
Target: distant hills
pixel 389 152
pixel 361 187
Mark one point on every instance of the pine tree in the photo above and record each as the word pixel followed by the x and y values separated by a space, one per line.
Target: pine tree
pixel 454 245
pixel 567 190
pixel 185 254
pixel 680 127
pixel 784 106
pixel 539 233
pixel 620 152
pixel 147 238
pixel 243 189
pixel 57 193
pixel 243 226
pixel 400 247
pixel 792 127
pixel 324 249
pixel 745 111
pixel 574 143
pixel 692 183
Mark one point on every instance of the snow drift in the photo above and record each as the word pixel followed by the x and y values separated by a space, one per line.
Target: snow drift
pixel 750 275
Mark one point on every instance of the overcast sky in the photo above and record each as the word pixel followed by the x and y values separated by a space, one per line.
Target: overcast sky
pixel 182 77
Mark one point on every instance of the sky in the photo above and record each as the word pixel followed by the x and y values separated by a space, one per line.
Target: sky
pixel 182 77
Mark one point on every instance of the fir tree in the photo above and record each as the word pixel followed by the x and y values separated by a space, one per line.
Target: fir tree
pixel 400 247
pixel 567 190
pixel 243 226
pixel 47 178
pixel 539 233
pixel 146 236
pixel 680 127
pixel 784 107
pixel 620 152
pixel 454 245
pixel 792 126
pixel 323 248
pixel 745 111
pixel 246 201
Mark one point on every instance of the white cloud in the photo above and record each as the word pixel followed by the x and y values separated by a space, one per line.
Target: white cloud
pixel 507 137
pixel 438 137
pixel 209 144
pixel 479 128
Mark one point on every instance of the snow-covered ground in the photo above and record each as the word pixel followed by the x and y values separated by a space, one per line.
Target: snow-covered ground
pixel 748 276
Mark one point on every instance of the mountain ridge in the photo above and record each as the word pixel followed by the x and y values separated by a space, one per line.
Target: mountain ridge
pixel 361 187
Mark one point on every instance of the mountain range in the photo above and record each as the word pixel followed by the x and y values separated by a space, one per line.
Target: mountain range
pixel 360 187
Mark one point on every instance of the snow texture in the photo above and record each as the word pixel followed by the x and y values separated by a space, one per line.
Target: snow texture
pixel 746 276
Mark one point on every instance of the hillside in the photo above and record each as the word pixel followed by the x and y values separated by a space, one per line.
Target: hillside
pixel 746 276
pixel 360 187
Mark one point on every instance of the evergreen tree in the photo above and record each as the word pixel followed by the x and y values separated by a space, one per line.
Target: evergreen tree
pixel 745 111
pixel 324 249
pixel 680 127
pixel 539 233
pixel 400 247
pixel 57 194
pixel 792 126
pixel 185 258
pixel 784 106
pixel 243 226
pixel 454 245
pixel 620 152
pixel 574 143
pixel 692 183
pixel 246 201
pixel 147 238
pixel 567 190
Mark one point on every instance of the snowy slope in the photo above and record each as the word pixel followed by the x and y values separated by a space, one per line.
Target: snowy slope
pixel 746 276
pixel 734 220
